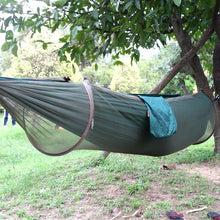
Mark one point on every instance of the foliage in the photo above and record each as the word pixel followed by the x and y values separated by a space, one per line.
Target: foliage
pixel 35 62
pixel 101 76
pixel 148 73
pixel 102 27
pixel 206 54
pixel 5 61
pixel 143 76
pixel 181 84
pixel 126 79
pixel 154 69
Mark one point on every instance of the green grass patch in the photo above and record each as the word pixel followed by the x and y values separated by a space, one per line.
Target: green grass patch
pixel 33 185
pixel 194 154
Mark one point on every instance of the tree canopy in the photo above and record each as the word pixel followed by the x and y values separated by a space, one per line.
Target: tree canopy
pixel 100 27
pixel 34 62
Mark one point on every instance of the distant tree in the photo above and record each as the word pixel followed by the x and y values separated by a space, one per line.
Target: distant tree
pixel 154 69
pixel 100 74
pixel 5 61
pixel 35 62
pixel 127 79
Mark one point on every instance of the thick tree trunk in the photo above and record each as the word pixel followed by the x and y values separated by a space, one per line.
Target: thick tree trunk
pixel 216 78
pixel 193 67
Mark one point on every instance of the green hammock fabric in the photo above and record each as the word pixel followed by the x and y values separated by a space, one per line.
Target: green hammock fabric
pixel 59 117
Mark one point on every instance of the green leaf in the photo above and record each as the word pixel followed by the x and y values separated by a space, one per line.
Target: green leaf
pixel 60 53
pixel 65 45
pixel 96 67
pixel 109 17
pixel 156 26
pixel 74 32
pixel 118 63
pixel 135 56
pixel 15 50
pixel 128 5
pixel 72 55
pixel 39 41
pixel 61 3
pixel 44 46
pixel 47 2
pixel 177 2
pixel 10 47
pixel 6 46
pixel 137 4
pixel 114 40
pixel 95 13
pixel 63 58
pixel 64 38
pixel 7 21
pixel 163 39
pixel 56 15
pixel 142 36
pixel 55 26
pixel 9 35
pixel 73 69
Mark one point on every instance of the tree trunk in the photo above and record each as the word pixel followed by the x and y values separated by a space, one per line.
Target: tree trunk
pixel 193 67
pixel 216 78
pixel 183 86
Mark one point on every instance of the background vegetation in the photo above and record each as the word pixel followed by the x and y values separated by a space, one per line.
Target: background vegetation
pixel 35 62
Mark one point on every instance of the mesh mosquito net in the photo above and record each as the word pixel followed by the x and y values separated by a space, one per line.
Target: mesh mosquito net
pixel 59 117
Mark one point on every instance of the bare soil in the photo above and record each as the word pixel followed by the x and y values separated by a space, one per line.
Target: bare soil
pixel 211 171
pixel 87 208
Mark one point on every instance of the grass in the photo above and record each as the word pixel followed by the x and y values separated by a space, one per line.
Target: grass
pixel 82 185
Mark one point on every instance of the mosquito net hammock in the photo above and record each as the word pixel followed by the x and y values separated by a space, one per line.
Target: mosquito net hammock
pixel 59 117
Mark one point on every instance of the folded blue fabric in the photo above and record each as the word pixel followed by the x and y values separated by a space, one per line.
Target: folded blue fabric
pixel 162 119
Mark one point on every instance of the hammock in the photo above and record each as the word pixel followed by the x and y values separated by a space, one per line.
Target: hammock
pixel 59 117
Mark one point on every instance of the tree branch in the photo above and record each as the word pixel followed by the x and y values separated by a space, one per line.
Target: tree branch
pixel 189 55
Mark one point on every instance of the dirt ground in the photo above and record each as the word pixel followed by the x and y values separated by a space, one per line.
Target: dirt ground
pixel 87 209
pixel 211 171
